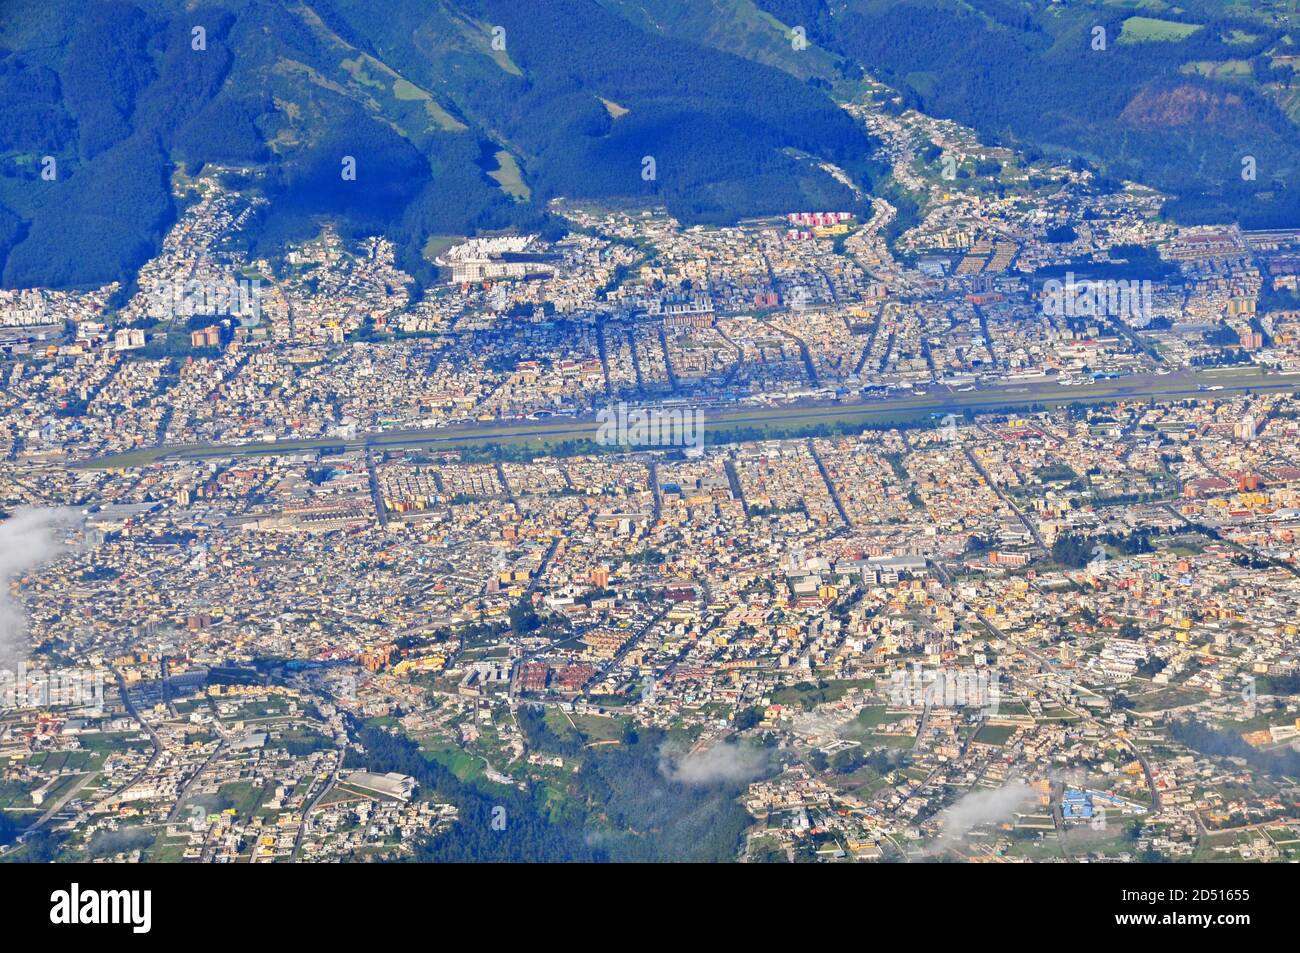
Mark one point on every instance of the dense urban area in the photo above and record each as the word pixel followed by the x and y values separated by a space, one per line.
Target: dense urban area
pixel 970 536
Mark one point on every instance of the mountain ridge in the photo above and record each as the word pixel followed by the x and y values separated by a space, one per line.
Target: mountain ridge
pixel 418 95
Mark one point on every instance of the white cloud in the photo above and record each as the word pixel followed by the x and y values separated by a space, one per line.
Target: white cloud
pixel 722 762
pixel 980 807
pixel 28 538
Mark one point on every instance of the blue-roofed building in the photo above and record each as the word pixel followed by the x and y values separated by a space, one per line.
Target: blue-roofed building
pixel 1076 805
pixel 1083 805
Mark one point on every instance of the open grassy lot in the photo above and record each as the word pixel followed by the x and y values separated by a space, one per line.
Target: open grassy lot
pixel 1151 30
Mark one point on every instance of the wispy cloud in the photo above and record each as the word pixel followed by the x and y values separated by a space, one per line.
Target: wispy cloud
pixel 29 538
pixel 722 763
pixel 979 807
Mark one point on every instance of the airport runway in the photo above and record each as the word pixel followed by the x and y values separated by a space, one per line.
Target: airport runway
pixel 784 419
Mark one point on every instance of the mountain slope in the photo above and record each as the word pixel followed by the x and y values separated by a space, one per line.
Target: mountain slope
pixel 1177 99
pixel 576 97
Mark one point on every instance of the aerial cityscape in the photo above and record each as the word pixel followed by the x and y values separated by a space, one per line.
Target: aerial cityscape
pixel 939 501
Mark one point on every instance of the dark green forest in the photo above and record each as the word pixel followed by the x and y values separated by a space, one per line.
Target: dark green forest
pixel 619 807
pixel 117 94
pixel 425 95
pixel 1029 74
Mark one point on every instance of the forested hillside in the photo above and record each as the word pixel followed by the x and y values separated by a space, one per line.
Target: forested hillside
pixel 1175 96
pixel 465 115
pixel 426 95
